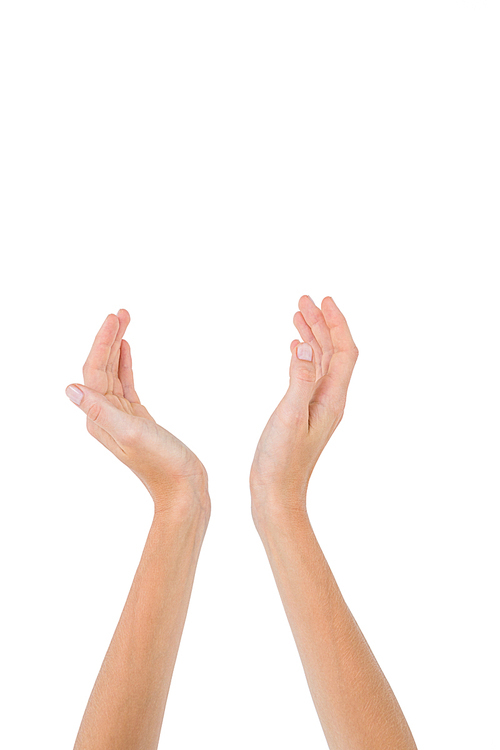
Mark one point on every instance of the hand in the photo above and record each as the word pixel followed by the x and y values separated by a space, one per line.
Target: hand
pixel 115 416
pixel 310 411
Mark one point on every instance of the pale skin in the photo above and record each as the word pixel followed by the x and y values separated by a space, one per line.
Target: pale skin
pixel 355 704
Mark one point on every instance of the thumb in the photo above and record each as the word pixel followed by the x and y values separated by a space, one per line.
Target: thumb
pixel 98 409
pixel 302 376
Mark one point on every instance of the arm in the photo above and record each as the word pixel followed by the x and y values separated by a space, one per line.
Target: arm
pixel 126 707
pixel 355 704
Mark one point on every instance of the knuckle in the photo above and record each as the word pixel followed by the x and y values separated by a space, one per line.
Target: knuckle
pixel 94 412
pixel 315 317
pixel 306 374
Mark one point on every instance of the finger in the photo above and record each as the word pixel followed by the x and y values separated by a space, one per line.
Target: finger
pixel 126 374
pixel 332 390
pixel 315 319
pixel 114 384
pixel 302 381
pixel 339 332
pixel 102 414
pixel 294 344
pixel 308 336
pixel 94 369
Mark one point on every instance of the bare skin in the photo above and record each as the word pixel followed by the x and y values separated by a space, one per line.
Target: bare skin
pixel 127 704
pixel 355 703
pixel 311 409
pixel 116 417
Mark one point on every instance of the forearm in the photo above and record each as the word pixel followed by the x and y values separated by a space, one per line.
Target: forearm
pixel 355 704
pixel 126 707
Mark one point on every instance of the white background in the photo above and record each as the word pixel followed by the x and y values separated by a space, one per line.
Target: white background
pixel 204 164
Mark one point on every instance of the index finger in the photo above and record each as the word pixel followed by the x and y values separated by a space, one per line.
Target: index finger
pixel 94 369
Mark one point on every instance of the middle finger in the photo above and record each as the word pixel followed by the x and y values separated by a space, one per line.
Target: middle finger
pixel 315 319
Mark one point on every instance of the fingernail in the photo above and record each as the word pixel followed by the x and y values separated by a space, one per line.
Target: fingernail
pixel 311 299
pixel 74 394
pixel 304 351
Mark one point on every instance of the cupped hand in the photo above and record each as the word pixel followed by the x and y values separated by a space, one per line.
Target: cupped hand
pixel 311 410
pixel 170 471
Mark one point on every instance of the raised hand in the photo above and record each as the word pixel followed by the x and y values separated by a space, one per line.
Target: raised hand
pixel 118 420
pixel 356 705
pixel 313 406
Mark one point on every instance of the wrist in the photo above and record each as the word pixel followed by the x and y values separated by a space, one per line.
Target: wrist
pixel 189 512
pixel 273 507
pixel 186 499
